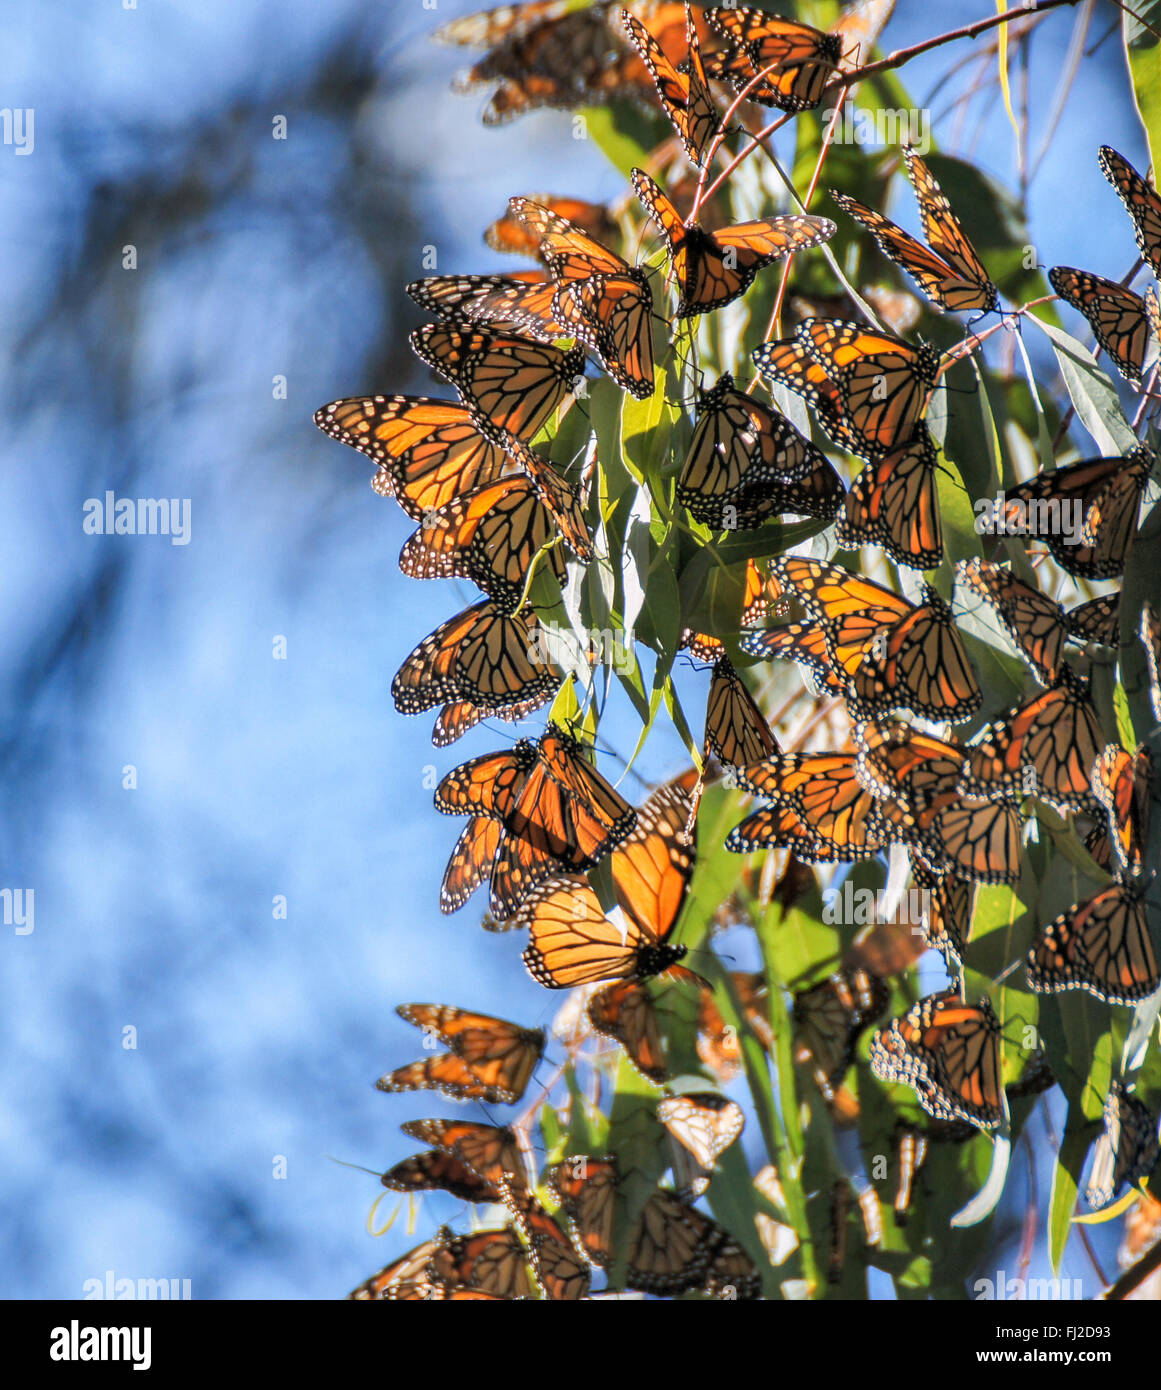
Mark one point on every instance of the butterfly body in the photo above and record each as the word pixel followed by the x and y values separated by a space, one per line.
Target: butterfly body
pixel 868 389
pixel 948 269
pixel 1116 315
pixel 803 58
pixel 488 1059
pixel 949 1052
pixel 713 268
pixel 683 90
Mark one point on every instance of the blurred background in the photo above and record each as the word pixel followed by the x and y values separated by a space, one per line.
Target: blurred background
pixel 171 1044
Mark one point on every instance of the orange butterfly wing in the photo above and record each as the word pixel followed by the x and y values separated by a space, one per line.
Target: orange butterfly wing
pixel 429 451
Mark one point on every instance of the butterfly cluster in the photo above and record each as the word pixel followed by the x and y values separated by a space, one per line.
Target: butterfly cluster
pixel 509 483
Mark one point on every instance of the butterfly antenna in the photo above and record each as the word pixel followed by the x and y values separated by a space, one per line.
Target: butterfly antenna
pixel 391 1220
pixel 357 1166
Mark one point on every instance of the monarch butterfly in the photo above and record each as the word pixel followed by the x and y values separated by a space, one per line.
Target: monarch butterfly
pixel 560 497
pixel 1141 200
pixel 510 236
pixel 684 91
pixel 543 55
pixel 559 1270
pixel 653 865
pixel 738 442
pixel 572 942
pixel 828 1019
pixel 485 655
pixel 801 642
pixel 520 304
pixel 735 728
pixel 672 1249
pixel 1115 314
pixel 851 610
pixel 512 21
pixel 718 1046
pixel 457 718
pixel 893 503
pixel 625 1012
pixel 487 851
pixel 947 917
pixel 704 1124
pixel 949 1053
pixel 1101 945
pixel 471 862
pixel 1036 1078
pixel 489 536
pixel 787 363
pixel 898 763
pixel 434 1169
pixel 948 270
pixel 741 459
pixel 910 1153
pixel 919 781
pixel 714 268
pixel 490 1151
pixel 429 451
pixel 761 595
pixel 1104 493
pixel 859 27
pixel 601 299
pixel 886 948
pixel 804 59
pixel 406 1276
pixel 892 654
pixel 1121 783
pixel 510 385
pixel 869 389
pixel 409 1280
pixel 1034 622
pixel 821 812
pixel 547 793
pixel 490 1261
pixel 922 666
pixel 1045 747
pixel 1126 1149
pixel 489 1059
pixel 1095 621
pixel 651 871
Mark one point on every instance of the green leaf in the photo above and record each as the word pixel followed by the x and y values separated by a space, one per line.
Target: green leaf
pixel 623 131
pixel 585 1127
pixel 551 1131
pixel 1065 1181
pixel 1092 393
pixel 638 1139
pixel 1141 23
